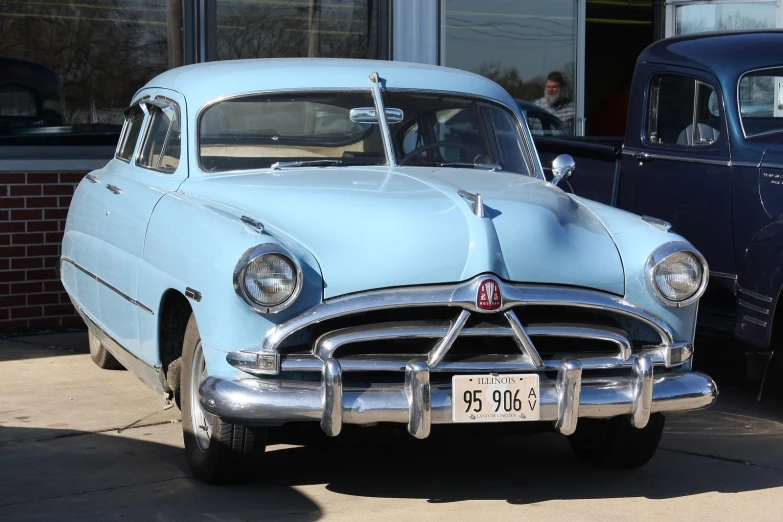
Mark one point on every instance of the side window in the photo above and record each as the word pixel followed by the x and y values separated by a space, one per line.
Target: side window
pixel 160 149
pixel 134 117
pixel 682 111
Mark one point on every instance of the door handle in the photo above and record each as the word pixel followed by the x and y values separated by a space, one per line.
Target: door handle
pixel 91 178
pixel 116 190
pixel 643 156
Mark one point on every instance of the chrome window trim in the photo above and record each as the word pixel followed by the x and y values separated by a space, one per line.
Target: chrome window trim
pixel 463 295
pixel 739 108
pixel 126 130
pixel 168 103
pixel 109 286
pixel 251 255
pixel 674 157
pixel 662 253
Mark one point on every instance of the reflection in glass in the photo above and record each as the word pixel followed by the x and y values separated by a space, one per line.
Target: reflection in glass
pixel 702 18
pixel 761 101
pixel 294 28
pixel 518 44
pixel 81 62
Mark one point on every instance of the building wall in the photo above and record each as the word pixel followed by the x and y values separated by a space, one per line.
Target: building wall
pixel 33 209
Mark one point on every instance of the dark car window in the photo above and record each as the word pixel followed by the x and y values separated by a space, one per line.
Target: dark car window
pixel 134 118
pixel 160 149
pixel 682 111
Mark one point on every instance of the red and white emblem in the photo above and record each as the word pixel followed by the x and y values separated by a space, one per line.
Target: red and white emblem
pixel 488 297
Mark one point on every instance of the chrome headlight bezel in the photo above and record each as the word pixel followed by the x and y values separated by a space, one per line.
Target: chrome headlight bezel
pixel 660 255
pixel 249 257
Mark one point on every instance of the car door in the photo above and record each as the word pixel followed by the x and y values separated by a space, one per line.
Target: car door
pixel 676 164
pixel 131 192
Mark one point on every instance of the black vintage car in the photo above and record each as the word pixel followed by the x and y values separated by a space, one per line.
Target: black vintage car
pixel 704 151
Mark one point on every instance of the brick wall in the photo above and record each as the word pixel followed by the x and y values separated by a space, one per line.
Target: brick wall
pixel 33 208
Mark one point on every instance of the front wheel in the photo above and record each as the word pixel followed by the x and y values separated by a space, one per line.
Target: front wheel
pixel 615 443
pixel 217 452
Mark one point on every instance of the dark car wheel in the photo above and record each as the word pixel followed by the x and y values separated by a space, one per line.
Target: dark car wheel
pixel 217 452
pixel 101 356
pixel 615 443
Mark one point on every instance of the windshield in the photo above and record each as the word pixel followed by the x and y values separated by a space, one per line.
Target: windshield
pixel 444 129
pixel 340 128
pixel 257 131
pixel 761 101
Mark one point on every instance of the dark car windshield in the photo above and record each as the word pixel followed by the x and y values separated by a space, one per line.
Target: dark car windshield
pixel 761 101
pixel 340 128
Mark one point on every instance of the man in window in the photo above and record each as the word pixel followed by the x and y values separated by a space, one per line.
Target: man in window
pixel 555 100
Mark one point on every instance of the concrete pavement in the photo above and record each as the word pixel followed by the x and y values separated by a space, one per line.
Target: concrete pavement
pixel 61 458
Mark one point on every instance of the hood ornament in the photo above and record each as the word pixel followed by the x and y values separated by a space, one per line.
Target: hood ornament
pixel 489 296
pixel 475 200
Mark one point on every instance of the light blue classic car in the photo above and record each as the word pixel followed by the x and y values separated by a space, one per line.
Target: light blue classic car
pixel 361 242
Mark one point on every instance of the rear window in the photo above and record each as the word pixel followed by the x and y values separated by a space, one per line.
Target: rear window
pixel 256 131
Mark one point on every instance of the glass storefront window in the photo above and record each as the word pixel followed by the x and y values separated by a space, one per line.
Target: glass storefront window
pixel 297 28
pixel 71 68
pixel 523 45
pixel 729 16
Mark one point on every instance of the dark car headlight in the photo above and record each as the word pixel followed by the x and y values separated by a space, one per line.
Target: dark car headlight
pixel 268 278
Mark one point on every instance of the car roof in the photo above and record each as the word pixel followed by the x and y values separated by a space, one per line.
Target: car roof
pixel 726 54
pixel 205 82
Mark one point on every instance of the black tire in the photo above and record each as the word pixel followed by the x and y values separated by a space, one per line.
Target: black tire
pixel 101 356
pixel 615 443
pixel 227 453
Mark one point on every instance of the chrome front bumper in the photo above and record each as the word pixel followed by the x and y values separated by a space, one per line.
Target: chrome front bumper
pixel 419 404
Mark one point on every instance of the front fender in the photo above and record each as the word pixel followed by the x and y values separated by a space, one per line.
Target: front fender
pixel 759 285
pixel 193 244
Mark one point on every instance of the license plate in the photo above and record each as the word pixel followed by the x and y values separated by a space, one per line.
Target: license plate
pixel 495 398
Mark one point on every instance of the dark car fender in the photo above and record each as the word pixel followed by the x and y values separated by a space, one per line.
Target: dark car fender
pixel 759 285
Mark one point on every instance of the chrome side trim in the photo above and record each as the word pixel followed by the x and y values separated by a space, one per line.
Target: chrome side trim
pixel 772 165
pixel 763 311
pixel 463 295
pixel 91 178
pixel 671 157
pixel 753 320
pixel 151 376
pixel 749 165
pixel 760 297
pixel 107 285
pixel 723 275
pixel 190 293
pixel 252 223
pixel 377 96
pixel 114 188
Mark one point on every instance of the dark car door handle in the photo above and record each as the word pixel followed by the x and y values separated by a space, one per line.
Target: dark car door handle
pixel 91 178
pixel 116 190
pixel 643 156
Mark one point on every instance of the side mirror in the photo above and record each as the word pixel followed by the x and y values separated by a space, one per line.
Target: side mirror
pixel 563 167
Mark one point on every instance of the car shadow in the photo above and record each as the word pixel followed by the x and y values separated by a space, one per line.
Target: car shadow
pixel 518 469
pixel 22 347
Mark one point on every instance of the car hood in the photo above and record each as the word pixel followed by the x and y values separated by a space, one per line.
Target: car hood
pixel 380 227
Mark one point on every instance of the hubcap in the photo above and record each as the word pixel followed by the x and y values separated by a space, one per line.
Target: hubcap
pixel 201 420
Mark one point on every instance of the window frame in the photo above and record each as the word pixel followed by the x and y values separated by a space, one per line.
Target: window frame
pixel 126 129
pixel 652 95
pixel 144 136
pixel 739 105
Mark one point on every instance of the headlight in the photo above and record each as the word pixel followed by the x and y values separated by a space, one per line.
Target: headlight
pixel 678 274
pixel 268 278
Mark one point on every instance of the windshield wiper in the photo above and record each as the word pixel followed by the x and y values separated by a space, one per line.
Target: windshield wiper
pixel 306 163
pixel 485 166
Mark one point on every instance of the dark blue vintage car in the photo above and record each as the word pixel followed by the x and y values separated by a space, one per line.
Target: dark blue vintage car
pixel 704 151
